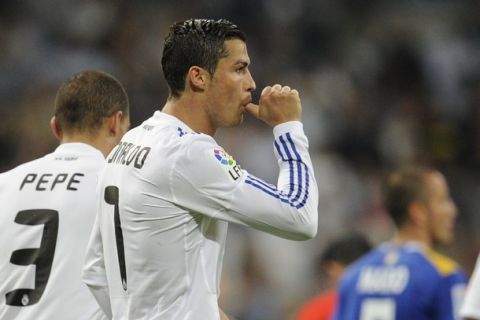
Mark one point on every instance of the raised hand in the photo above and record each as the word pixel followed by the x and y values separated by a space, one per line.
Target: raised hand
pixel 278 104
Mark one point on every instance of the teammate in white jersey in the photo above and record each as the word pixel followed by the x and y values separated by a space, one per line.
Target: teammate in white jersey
pixel 169 190
pixel 49 205
pixel 471 306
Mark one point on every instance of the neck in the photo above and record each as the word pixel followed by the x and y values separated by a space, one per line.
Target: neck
pixel 190 110
pixel 87 139
pixel 410 233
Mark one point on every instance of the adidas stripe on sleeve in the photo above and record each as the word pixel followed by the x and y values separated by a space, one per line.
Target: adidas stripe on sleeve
pixel 227 192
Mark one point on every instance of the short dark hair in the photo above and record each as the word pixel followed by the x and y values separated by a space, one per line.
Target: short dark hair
pixel 345 249
pixel 402 187
pixel 86 98
pixel 195 42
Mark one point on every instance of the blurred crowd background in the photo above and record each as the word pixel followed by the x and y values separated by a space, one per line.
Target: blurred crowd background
pixel 382 82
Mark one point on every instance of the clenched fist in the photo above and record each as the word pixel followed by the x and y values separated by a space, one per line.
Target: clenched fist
pixel 278 104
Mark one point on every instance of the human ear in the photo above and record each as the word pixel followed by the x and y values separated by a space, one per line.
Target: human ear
pixel 197 78
pixel 55 129
pixel 114 123
pixel 417 213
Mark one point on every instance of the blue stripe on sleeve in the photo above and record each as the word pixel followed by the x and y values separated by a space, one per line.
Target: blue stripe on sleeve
pixel 290 163
pixel 303 185
pixel 307 175
pixel 274 194
pixel 300 166
pixel 307 179
pixel 269 186
pixel 298 160
pixel 280 153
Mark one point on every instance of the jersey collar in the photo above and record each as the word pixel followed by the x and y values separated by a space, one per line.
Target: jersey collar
pixel 410 245
pixel 79 147
pixel 162 116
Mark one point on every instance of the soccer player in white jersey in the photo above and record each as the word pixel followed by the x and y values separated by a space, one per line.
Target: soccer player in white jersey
pixel 471 306
pixel 169 190
pixel 49 205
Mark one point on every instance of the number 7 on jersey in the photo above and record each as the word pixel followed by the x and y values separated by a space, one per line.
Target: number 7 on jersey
pixel 111 196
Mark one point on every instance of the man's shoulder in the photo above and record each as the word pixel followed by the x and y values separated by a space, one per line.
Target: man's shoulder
pixel 194 145
pixel 443 264
pixel 23 167
pixel 163 133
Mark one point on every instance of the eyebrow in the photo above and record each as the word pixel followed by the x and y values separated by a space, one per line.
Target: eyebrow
pixel 242 63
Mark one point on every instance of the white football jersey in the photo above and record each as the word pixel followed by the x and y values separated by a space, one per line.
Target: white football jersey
pixel 48 210
pixel 167 194
pixel 471 304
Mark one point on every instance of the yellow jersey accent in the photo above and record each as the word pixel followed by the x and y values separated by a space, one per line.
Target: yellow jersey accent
pixel 442 263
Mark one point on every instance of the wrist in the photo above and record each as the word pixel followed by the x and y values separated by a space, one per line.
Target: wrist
pixel 288 126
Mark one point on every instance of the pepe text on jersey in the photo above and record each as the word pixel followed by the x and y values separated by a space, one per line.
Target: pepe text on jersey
pixel 49 181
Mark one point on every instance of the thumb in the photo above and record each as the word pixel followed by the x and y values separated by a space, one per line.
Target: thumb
pixel 253 109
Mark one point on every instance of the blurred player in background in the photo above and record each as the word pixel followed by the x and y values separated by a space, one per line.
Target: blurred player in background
pixel 49 204
pixel 471 306
pixel 169 190
pixel 336 257
pixel 406 278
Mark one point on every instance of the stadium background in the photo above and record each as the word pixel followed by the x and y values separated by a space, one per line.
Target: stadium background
pixel 382 82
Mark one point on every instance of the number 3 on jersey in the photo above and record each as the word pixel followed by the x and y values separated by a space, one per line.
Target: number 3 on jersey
pixel 41 257
pixel 112 197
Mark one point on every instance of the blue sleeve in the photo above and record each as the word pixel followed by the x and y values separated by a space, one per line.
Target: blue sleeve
pixel 449 296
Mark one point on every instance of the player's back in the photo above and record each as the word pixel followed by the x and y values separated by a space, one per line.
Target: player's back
pixel 48 209
pixel 401 282
pixel 162 260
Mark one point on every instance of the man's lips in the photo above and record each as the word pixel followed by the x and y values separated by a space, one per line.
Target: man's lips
pixel 246 101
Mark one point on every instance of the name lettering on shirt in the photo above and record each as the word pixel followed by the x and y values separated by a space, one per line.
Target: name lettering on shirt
pixel 49 181
pixel 383 280
pixel 127 153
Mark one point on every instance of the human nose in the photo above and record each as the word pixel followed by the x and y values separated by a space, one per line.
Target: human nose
pixel 251 86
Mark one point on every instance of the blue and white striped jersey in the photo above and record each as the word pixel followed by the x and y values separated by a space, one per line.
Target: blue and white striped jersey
pixel 396 282
pixel 168 194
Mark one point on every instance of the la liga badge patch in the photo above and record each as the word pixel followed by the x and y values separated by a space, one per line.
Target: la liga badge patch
pixel 228 163
pixel 223 157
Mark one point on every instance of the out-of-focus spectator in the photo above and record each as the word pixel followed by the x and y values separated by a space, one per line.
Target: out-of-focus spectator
pixel 337 256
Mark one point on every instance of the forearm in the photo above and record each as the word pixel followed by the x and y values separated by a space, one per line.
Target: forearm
pixel 288 210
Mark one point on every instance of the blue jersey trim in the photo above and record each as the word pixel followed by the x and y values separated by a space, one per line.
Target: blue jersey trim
pixel 300 163
pixel 290 164
pixel 302 185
